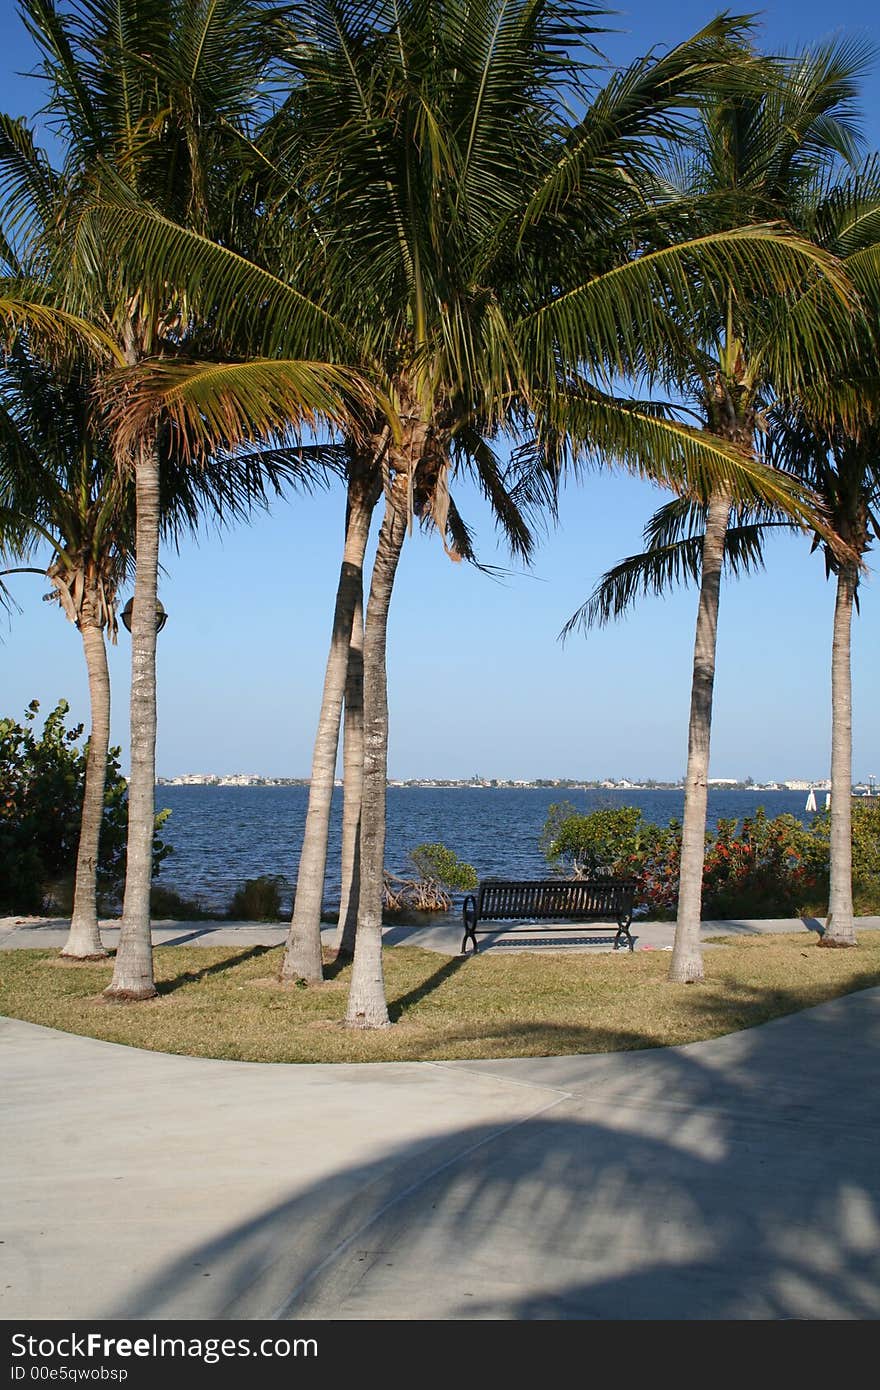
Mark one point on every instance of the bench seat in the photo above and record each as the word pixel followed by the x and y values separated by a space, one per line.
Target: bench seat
pixel 566 903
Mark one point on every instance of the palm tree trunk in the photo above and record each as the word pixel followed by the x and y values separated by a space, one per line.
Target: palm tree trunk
pixel 687 960
pixel 353 777
pixel 302 956
pixel 367 1007
pixel 840 927
pixel 133 970
pixel 84 939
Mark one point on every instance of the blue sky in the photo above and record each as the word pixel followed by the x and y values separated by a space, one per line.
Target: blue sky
pixel 478 681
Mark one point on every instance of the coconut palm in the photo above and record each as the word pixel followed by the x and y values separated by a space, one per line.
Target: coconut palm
pixel 762 152
pixel 60 487
pixel 492 263
pixel 832 440
pixel 842 463
pixel 158 101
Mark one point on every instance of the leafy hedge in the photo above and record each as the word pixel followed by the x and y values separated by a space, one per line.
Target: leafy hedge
pixel 755 867
pixel 42 775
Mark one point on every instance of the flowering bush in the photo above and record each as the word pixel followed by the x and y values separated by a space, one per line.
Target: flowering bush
pixel 754 868
pixel 763 868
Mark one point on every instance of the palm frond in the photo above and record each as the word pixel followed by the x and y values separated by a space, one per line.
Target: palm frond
pixel 662 567
pixel 627 320
pixel 214 407
pixel 26 308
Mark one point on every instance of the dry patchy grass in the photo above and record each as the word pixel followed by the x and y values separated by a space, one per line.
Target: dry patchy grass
pixel 225 1002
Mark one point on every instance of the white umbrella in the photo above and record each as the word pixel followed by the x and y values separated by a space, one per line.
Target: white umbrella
pixel 811 801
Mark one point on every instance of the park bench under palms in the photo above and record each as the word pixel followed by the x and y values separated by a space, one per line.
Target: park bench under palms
pixel 562 904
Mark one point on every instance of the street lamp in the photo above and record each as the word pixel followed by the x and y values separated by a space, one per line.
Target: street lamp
pixel 161 615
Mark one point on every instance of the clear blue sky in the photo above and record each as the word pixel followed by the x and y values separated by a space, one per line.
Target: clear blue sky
pixel 478 681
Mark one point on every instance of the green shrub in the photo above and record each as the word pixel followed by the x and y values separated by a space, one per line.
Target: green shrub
pixel 436 863
pixel 42 776
pixel 764 868
pixel 616 841
pixel 754 868
pixel 258 899
pixel 439 870
pixel 165 903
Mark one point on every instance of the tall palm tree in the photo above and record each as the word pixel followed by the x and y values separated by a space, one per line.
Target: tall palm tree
pixel 763 149
pixel 494 264
pixel 60 487
pixel 156 100
pixel 831 438
pixel 842 464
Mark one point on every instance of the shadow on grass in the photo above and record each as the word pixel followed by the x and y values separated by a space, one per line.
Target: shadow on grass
pixel 336 966
pixel 191 977
pixel 398 1007
pixel 742 1008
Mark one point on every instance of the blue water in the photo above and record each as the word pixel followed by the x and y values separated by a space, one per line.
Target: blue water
pixel 224 835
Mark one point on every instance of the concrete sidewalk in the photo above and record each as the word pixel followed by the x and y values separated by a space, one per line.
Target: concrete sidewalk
pixel 727 1179
pixel 444 936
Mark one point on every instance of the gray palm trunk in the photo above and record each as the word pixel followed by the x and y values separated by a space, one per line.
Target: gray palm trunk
pixel 840 927
pixel 133 971
pixel 84 939
pixel 367 1007
pixel 687 959
pixel 353 780
pixel 302 955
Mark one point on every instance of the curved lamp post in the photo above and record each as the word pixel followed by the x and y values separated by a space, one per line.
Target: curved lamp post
pixel 161 615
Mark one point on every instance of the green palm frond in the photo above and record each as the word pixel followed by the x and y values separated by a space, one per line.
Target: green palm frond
pixel 597 431
pixel 179 265
pixel 625 320
pixel 71 101
pixel 514 517
pixel 657 571
pixel 626 123
pixel 28 186
pixel 27 309
pixel 662 567
pixel 213 406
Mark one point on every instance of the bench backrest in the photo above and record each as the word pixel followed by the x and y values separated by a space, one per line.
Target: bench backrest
pixel 554 898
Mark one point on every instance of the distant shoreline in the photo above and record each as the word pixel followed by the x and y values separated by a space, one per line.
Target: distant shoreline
pixel 428 785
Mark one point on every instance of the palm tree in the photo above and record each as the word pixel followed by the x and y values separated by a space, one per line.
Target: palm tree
pixel 60 487
pixel 842 464
pixel 831 438
pixel 302 957
pixel 157 102
pixel 492 265
pixel 763 150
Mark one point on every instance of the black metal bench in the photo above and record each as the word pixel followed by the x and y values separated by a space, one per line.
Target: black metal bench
pixel 567 903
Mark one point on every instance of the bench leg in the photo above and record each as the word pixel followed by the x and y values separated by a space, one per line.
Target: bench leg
pixel 623 931
pixel 469 918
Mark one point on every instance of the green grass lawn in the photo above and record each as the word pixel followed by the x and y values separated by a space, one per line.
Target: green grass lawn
pixel 225 1002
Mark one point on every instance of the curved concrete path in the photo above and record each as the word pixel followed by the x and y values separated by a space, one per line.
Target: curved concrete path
pixel 727 1179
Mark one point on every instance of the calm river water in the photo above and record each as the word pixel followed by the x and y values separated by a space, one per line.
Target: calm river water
pixel 224 835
